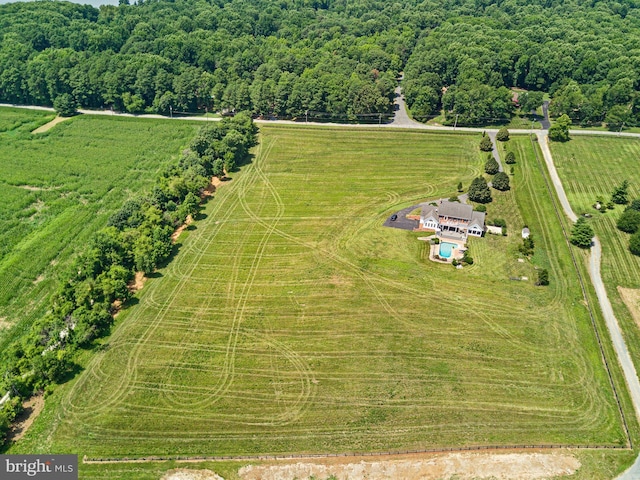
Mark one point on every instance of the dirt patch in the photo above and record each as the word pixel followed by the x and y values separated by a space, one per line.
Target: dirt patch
pixel 48 126
pixel 32 409
pixel 631 298
pixel 137 283
pixel 213 185
pixel 3 323
pixel 38 279
pixel 185 474
pixel 181 228
pixel 462 466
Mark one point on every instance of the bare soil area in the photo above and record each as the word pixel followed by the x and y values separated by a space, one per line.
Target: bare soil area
pixel 186 474
pixel 631 298
pixel 138 282
pixel 181 228
pixel 213 185
pixel 4 323
pixel 461 466
pixel 32 408
pixel 48 126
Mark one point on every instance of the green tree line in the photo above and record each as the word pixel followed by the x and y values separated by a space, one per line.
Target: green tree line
pixel 279 58
pixel 584 54
pixel 336 57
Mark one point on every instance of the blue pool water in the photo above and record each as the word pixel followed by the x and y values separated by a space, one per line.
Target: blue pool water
pixel 446 248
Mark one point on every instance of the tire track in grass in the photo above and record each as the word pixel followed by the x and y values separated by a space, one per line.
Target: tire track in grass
pixel 586 370
pixel 129 376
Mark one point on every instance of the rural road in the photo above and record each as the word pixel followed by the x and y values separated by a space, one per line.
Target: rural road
pixel 402 120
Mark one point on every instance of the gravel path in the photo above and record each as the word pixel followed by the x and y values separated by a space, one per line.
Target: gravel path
pixel 492 135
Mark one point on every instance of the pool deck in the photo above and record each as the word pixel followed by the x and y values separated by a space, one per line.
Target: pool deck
pixel 456 253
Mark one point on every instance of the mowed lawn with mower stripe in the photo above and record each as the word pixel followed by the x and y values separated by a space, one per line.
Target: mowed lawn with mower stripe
pixel 292 321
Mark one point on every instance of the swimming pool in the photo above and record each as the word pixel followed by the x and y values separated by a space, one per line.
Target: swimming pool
pixel 446 249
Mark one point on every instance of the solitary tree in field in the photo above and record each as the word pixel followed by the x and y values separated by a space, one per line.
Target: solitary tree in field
pixel 500 181
pixel 486 145
pixel 479 191
pixel 511 158
pixel 581 233
pixel 543 277
pixel 559 131
pixel 491 166
pixel 620 194
pixel 503 135
pixel 460 187
pixel 528 246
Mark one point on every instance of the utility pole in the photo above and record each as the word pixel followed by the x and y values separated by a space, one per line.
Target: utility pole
pixel 456 122
pixel 171 111
pixel 306 116
pixel 621 127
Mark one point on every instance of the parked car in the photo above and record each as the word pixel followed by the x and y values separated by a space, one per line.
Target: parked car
pixel 394 217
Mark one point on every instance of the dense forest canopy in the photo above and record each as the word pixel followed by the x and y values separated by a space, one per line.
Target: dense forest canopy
pixel 286 57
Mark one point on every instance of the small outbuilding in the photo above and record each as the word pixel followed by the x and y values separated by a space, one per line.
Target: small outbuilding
pixel 525 232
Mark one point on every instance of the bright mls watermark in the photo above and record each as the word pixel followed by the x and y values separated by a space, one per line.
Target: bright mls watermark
pixel 49 467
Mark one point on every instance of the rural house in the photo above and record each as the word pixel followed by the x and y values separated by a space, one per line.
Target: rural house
pixel 452 219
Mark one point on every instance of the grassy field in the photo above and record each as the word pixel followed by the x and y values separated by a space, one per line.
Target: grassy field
pixel 590 167
pixel 58 187
pixel 292 321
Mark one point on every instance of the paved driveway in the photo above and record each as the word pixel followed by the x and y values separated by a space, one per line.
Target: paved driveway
pixel 402 222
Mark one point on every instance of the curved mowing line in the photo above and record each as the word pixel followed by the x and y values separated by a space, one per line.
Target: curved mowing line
pixel 374 281
pixel 128 376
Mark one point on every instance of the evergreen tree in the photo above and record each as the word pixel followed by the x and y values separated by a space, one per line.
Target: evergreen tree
pixel 635 205
pixel 581 233
pixel 634 243
pixel 501 181
pixel 629 221
pixel 460 189
pixel 486 145
pixel 491 166
pixel 479 191
pixel 503 135
pixel 620 194
pixel 543 277
pixel 511 158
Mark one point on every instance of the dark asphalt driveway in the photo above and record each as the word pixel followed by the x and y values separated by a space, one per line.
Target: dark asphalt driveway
pixel 402 222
